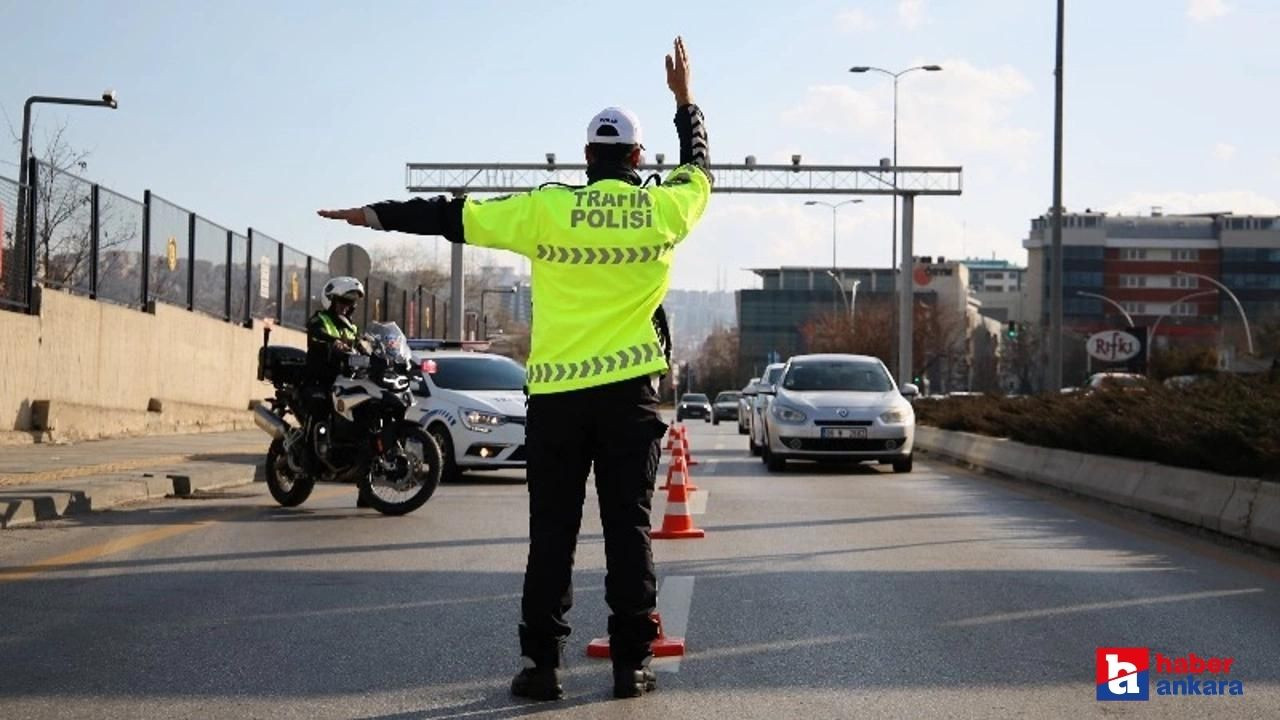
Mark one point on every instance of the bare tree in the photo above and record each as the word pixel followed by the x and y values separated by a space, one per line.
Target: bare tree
pixel 62 214
pixel 939 339
pixel 716 366
pixel 63 222
pixel 1022 358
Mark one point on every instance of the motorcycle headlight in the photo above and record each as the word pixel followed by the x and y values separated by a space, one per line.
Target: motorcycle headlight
pixel 896 416
pixel 787 415
pixel 481 421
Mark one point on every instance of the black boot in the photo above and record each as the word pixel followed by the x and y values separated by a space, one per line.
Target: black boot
pixel 631 682
pixel 362 500
pixel 538 683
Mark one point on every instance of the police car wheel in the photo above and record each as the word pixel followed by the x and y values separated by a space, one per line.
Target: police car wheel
pixel 450 472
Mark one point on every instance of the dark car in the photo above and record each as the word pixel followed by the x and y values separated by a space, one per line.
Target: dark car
pixel 693 405
pixel 726 406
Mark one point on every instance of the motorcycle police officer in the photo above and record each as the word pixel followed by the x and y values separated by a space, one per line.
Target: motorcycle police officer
pixel 601 261
pixel 330 336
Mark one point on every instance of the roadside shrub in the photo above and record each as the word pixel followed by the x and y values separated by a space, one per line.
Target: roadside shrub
pixel 1228 425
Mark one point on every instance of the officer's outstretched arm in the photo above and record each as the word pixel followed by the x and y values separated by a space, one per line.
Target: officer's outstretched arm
pixel 505 223
pixel 421 216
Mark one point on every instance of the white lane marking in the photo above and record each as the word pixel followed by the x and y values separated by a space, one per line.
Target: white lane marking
pixel 1089 607
pixel 675 599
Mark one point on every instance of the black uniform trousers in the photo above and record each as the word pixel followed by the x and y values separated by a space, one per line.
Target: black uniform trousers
pixel 616 429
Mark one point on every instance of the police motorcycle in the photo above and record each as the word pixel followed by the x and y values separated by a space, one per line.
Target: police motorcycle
pixel 366 439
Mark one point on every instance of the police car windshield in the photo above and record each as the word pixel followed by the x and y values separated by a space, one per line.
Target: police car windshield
pixel 818 375
pixel 480 372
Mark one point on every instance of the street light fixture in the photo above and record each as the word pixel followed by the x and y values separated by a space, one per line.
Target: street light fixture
pixel 904 308
pixel 106 100
pixel 840 286
pixel 1248 334
pixel 1127 317
pixel 834 209
pixel 1155 327
pixel 895 75
pixel 484 320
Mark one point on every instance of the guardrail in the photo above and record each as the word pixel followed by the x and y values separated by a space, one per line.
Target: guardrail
pixel 1241 507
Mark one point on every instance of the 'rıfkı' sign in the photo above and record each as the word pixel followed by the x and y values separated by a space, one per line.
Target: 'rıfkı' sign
pixel 1114 346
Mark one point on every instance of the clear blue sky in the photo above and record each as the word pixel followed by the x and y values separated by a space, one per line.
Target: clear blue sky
pixel 256 114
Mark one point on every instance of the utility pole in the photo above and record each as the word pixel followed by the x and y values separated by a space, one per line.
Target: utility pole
pixel 1055 258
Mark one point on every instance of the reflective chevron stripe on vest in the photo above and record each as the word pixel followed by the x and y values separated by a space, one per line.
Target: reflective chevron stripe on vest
pixel 602 256
pixel 555 372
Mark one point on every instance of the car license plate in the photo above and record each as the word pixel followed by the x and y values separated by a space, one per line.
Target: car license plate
pixel 844 433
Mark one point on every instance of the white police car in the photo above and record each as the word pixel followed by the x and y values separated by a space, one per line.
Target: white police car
pixel 472 403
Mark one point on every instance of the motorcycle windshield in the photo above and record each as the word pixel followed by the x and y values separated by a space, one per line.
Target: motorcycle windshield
pixel 388 342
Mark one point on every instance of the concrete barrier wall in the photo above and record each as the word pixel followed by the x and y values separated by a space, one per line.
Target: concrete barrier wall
pixel 1245 508
pixel 86 356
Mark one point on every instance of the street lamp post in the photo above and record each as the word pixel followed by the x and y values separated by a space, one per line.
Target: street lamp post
pixel 1244 318
pixel 840 289
pixel 895 75
pixel 1127 317
pixel 107 100
pixel 1155 327
pixel 904 307
pixel 835 207
pixel 484 319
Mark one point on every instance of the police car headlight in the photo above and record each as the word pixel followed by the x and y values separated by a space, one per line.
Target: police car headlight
pixel 787 415
pixel 481 421
pixel 896 416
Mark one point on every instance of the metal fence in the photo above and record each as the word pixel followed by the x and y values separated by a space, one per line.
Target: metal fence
pixel 119 249
pixel 13 257
pixel 92 241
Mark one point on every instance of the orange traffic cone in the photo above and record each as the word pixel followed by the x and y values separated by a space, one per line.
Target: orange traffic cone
pixel 663 646
pixel 684 442
pixel 678 472
pixel 677 521
pixel 673 437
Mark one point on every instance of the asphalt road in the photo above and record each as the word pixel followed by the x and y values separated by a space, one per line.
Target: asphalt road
pixel 827 592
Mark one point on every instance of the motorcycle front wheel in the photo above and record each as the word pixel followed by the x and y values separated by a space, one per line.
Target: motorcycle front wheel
pixel 289 488
pixel 398 496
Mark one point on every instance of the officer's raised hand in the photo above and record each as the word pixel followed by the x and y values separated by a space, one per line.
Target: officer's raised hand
pixel 353 216
pixel 678 73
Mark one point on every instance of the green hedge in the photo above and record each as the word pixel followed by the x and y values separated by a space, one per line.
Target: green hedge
pixel 1229 426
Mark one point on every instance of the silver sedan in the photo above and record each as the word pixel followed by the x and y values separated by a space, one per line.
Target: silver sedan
pixel 839 407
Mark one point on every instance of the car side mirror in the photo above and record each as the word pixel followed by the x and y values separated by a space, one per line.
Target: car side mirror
pixel 910 391
pixel 769 390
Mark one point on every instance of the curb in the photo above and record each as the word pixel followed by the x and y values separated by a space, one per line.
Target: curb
pixel 24 505
pixel 1243 508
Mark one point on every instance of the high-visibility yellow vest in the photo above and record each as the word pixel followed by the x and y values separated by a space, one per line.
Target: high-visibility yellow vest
pixel 601 261
pixel 346 332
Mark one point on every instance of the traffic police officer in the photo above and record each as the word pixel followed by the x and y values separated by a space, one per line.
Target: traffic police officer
pixel 601 261
pixel 330 336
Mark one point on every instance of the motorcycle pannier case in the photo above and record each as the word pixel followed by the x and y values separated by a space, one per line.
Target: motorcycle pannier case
pixel 281 364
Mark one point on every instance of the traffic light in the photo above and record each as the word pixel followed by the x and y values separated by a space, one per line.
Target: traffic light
pixel 1011 330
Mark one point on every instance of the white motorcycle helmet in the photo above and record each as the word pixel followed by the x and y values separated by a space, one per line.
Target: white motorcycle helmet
pixel 346 288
